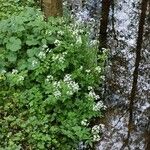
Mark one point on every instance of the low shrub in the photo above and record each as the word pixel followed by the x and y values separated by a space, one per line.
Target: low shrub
pixel 48 74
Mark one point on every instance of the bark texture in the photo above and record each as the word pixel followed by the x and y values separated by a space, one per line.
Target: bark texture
pixel 132 96
pixel 52 8
pixel 104 23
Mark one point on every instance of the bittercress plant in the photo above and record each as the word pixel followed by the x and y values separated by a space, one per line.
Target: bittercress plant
pixel 48 76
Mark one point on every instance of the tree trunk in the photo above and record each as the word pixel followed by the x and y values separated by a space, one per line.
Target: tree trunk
pixel 144 5
pixel 104 23
pixel 52 8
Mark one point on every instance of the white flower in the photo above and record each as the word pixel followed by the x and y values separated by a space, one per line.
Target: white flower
pixel 50 32
pixel 59 57
pixel 65 53
pixel 81 67
pixel 90 88
pixel 88 71
pixel 75 86
pixel 56 84
pixel 93 42
pixel 60 32
pixel 84 122
pixel 102 126
pixel 34 63
pixel 14 71
pixel 49 77
pixel 102 77
pixel 55 57
pixel 104 50
pixel 92 94
pixel 71 84
pixel 98 106
pixel 96 138
pixel 96 129
pixel 57 93
pixel 21 78
pixel 67 78
pixel 81 31
pixel 69 93
pixel 48 50
pixel 65 3
pixel 42 55
pixel 57 42
pixel 98 69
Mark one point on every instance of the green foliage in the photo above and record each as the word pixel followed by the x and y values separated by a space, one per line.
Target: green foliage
pixel 48 72
pixel 9 7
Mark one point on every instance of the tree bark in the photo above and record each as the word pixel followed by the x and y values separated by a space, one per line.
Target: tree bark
pixel 104 24
pixel 52 8
pixel 144 5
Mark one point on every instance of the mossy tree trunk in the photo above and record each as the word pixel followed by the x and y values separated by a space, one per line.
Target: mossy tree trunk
pixel 52 8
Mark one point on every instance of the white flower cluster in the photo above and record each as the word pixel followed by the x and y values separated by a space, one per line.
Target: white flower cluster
pixel 57 94
pixel 16 75
pixel 96 138
pixel 93 42
pixel 14 71
pixel 42 55
pixel 104 50
pixel 65 3
pixel 98 106
pixel 73 86
pixel 49 78
pixel 44 48
pixel 85 122
pixel 67 78
pixel 61 32
pixel 98 69
pixel 77 35
pixel 34 63
pixel 92 94
pixel 57 42
pixel 81 68
pixel 102 77
pixel 87 71
pixel 96 131
pixel 90 88
pixel 59 57
pixel 56 84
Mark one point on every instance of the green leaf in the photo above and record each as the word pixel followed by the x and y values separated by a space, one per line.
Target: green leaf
pixel 14 44
pixel 31 41
pixel 22 64
pixel 33 63
pixel 12 57
pixel 32 52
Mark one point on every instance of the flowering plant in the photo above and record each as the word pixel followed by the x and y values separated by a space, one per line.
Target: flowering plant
pixel 47 83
